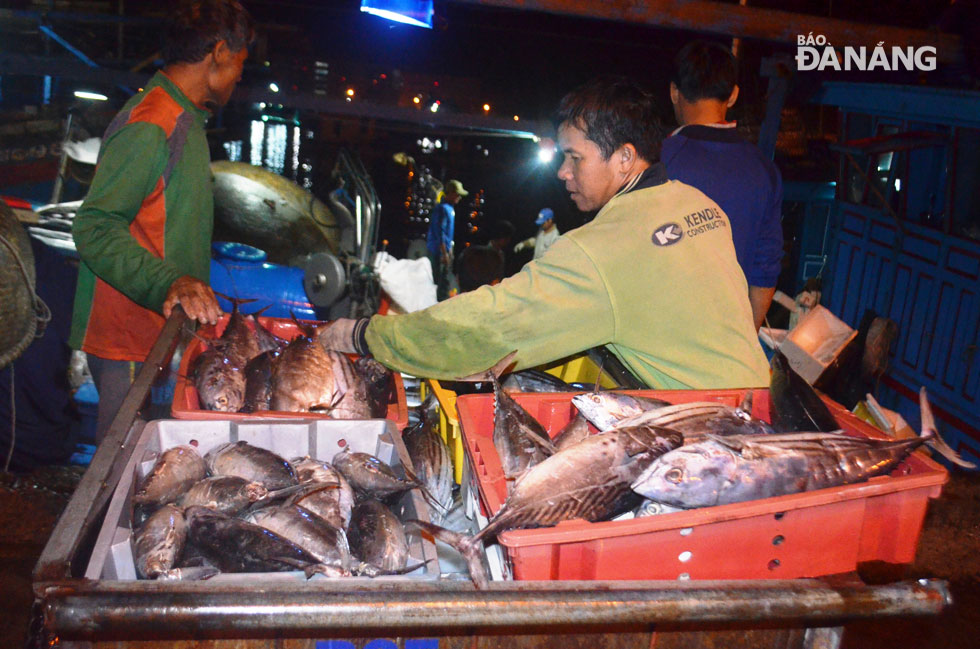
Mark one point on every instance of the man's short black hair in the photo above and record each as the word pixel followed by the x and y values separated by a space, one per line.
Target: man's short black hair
pixel 704 70
pixel 612 111
pixel 198 25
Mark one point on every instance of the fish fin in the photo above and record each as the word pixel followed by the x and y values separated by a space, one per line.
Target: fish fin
pixel 426 494
pixel 256 314
pixel 934 441
pixel 306 329
pixel 468 546
pixel 494 373
pixel 746 405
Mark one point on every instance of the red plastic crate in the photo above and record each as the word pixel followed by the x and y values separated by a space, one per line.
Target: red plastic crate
pixel 822 532
pixel 187 404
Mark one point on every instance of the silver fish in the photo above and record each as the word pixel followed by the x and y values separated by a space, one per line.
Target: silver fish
pixel 605 409
pixel 226 494
pixel 258 382
pixel 723 470
pixel 332 502
pixel 307 530
pixel 433 465
pixel 159 542
pixel 589 480
pixel 370 476
pixel 252 463
pixel 173 473
pixel 377 537
pixel 219 380
pixel 699 419
pixel 379 382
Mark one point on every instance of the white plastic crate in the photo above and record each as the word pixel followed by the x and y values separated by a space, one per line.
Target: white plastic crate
pixel 112 556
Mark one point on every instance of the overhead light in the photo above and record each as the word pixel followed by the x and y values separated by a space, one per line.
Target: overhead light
pixel 409 12
pixel 274 87
pixel 516 118
pixel 546 149
pixel 350 92
pixel 85 94
pixel 434 107
pixel 486 108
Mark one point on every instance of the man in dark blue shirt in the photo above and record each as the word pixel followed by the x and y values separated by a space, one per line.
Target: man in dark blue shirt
pixel 707 152
pixel 439 241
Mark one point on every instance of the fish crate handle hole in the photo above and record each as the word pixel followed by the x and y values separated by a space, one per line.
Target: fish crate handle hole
pixel 778 539
pixel 774 564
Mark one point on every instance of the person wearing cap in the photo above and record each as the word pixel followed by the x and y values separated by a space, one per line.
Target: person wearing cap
pixel 547 233
pixel 653 276
pixel 707 151
pixel 439 241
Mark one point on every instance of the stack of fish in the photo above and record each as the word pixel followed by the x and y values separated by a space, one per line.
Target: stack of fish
pixel 242 508
pixel 677 456
pixel 249 369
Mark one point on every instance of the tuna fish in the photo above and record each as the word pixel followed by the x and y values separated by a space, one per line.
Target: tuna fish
pixel 159 542
pixel 377 537
pixel 307 530
pixel 307 377
pixel 793 404
pixel 535 381
pixel 219 380
pixel 589 480
pixel 331 502
pixel 521 442
pixel 432 464
pixel 380 384
pixel 605 409
pixel 252 463
pixel 574 432
pixel 226 494
pixel 699 419
pixel 258 382
pixel 173 473
pixel 371 477
pixel 234 545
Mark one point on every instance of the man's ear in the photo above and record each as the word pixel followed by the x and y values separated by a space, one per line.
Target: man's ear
pixel 627 157
pixel 732 97
pixel 221 53
pixel 675 93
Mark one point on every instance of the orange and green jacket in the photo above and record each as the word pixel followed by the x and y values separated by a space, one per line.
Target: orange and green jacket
pixel 146 221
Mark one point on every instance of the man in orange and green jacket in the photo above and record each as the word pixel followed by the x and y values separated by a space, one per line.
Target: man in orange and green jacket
pixel 144 231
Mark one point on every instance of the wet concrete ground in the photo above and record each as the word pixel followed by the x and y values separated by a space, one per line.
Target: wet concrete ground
pixel 949 548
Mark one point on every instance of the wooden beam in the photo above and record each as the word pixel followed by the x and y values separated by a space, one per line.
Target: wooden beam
pixel 739 21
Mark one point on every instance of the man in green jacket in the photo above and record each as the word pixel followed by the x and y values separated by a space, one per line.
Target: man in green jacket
pixel 144 231
pixel 653 276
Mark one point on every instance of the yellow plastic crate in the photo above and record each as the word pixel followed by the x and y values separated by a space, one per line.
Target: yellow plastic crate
pixel 578 369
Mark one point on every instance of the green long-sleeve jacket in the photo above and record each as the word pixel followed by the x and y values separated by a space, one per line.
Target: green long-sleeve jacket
pixel 654 277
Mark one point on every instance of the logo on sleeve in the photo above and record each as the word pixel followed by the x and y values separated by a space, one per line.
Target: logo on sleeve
pixel 667 234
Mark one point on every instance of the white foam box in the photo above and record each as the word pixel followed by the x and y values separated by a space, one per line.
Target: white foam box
pixel 815 342
pixel 112 556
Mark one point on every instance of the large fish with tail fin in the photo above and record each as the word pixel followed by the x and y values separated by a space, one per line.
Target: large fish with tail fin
pixel 588 480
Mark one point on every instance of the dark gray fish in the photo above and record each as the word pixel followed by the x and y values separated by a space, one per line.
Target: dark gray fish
pixel 535 381
pixel 238 341
pixel 380 384
pixel 724 470
pixel 370 476
pixel 574 432
pixel 324 541
pixel 258 382
pixel 173 473
pixel 234 545
pixel 252 463
pixel 219 380
pixel 226 494
pixel 159 542
pixel 605 409
pixel 377 537
pixel 309 469
pixel 265 339
pixel 589 480
pixel 793 403
pixel 521 442
pixel 433 465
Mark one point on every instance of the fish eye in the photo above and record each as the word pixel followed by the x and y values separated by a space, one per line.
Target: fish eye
pixel 674 476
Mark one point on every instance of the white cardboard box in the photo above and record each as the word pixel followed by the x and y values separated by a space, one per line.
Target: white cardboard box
pixel 813 344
